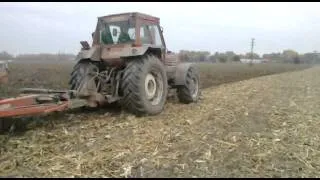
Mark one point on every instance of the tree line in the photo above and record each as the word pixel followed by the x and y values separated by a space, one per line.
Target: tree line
pixel 42 57
pixel 286 56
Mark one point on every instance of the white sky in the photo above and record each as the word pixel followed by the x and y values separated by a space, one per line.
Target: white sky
pixel 44 27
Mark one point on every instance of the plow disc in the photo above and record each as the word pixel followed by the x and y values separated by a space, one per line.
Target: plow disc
pixel 44 102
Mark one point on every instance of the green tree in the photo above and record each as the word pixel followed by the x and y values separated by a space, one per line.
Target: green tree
pixel 296 60
pixel 213 59
pixel 255 55
pixel 5 56
pixel 289 55
pixel 236 58
pixel 222 58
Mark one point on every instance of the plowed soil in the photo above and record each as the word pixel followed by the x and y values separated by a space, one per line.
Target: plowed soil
pixel 259 127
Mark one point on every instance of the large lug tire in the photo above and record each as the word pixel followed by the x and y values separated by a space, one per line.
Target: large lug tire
pixel 81 72
pixel 144 86
pixel 190 92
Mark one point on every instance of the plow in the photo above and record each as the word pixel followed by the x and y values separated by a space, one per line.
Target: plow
pixel 37 102
pixel 127 63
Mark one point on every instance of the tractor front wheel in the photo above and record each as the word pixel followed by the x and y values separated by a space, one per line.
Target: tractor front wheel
pixel 190 91
pixel 144 86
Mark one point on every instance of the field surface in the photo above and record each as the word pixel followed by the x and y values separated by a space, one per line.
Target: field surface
pixel 260 127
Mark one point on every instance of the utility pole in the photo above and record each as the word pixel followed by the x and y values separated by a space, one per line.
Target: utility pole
pixel 252 45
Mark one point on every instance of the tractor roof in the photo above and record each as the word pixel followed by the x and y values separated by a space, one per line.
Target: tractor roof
pixel 131 14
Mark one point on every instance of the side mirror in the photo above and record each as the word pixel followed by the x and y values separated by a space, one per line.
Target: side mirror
pixel 114 32
pixel 161 28
pixel 92 35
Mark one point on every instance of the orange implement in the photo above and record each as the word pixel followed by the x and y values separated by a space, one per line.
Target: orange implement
pixel 30 105
pixel 38 102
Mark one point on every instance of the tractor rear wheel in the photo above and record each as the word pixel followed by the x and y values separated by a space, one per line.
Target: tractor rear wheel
pixel 144 86
pixel 190 91
pixel 81 72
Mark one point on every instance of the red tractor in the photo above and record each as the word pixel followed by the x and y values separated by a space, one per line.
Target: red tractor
pixel 128 62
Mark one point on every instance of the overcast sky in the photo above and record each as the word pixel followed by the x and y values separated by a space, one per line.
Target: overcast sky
pixel 44 27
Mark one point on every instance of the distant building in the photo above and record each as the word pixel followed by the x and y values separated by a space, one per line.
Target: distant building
pixel 254 61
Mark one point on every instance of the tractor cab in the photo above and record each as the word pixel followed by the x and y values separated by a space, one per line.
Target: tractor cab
pixel 128 28
pixel 122 36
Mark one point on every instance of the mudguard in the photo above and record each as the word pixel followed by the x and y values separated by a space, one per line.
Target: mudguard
pixel 181 73
pixel 93 53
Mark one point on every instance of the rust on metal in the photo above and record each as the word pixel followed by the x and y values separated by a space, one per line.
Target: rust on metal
pixel 19 101
pixel 34 104
pixel 33 110
pixel 125 16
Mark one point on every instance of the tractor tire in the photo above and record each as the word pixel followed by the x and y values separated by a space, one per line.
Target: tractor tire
pixel 190 92
pixel 79 73
pixel 144 86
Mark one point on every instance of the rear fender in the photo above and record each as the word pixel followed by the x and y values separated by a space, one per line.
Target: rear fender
pixel 181 73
